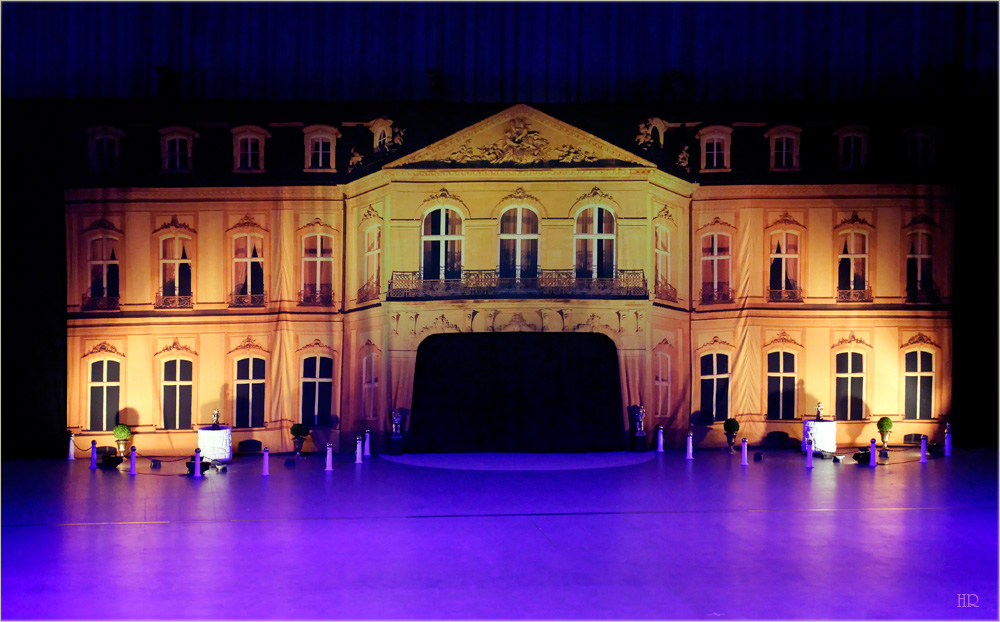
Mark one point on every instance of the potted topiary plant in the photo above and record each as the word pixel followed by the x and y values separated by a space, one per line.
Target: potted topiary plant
pixel 884 426
pixel 122 435
pixel 299 433
pixel 731 426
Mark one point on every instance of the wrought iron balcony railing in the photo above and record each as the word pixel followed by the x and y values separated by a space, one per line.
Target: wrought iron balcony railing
pixel 927 294
pixel 784 295
pixel 547 284
pixel 99 303
pixel 368 291
pixel 173 302
pixel 855 295
pixel 716 295
pixel 247 300
pixel 316 299
pixel 665 291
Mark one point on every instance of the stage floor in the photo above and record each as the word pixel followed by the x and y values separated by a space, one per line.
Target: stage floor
pixel 651 536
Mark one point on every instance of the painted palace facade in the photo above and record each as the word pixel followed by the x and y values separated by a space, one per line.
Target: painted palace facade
pixel 724 294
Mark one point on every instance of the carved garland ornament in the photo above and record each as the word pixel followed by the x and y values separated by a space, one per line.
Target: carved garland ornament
pixel 246 223
pixel 520 195
pixel 920 338
pixel 715 222
pixel 595 193
pixel 370 214
pixel 102 223
pixel 317 345
pixel 853 220
pixel 786 219
pixel 850 340
pixel 666 214
pixel 176 345
pixel 248 344
pixel 104 348
pixel 441 324
pixel 316 222
pixel 715 342
pixel 443 194
pixel 922 219
pixel 174 224
pixel 784 338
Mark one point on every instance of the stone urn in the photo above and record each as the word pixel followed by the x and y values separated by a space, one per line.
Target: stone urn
pixel 731 439
pixel 123 449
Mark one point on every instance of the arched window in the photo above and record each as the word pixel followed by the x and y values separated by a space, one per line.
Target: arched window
pixel 442 244
pixel 104 389
pixel 248 270
pixel 369 386
pixel 320 148
pixel 175 149
pixel 178 384
pixel 852 266
pixel 783 281
pixel 317 391
pixel 519 244
pixel 850 386
pixel 853 147
pixel 317 269
pixel 781 381
pixel 103 268
pixel 920 267
pixel 175 271
pixel 919 384
pixel 595 243
pixel 661 382
pixel 249 403
pixel 716 268
pixel 104 149
pixel 714 386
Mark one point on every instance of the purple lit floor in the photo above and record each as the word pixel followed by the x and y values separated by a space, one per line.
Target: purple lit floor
pixel 612 536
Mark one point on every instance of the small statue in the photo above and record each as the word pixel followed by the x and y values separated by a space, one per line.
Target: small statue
pixel 819 411
pixel 684 159
pixel 639 416
pixel 397 419
pixel 645 137
pixel 215 419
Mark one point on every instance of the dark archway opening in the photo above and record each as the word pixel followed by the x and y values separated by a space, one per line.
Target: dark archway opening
pixel 516 392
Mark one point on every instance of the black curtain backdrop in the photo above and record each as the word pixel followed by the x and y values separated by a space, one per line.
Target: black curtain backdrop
pixel 516 392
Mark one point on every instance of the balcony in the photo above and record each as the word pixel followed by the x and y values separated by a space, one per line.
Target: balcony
pixel 173 302
pixel 923 295
pixel 312 298
pixel 99 303
pixel 784 295
pixel 247 300
pixel 368 291
pixel 665 291
pixel 855 295
pixel 547 284
pixel 716 296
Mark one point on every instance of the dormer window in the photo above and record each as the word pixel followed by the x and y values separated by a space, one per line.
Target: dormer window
pixel 104 149
pixel 853 147
pixel 320 148
pixel 248 149
pixel 919 147
pixel 715 152
pixel 784 141
pixel 382 131
pixel 175 149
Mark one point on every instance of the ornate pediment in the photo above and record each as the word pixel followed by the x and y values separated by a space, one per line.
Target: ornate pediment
pixel 248 345
pixel 922 220
pixel 851 340
pixel 441 324
pixel 104 348
pixel 102 223
pixel 317 346
pixel 920 339
pixel 317 223
pixel 174 224
pixel 247 222
pixel 783 338
pixel 786 220
pixel 715 343
pixel 853 221
pixel 177 347
pixel 519 136
pixel 370 214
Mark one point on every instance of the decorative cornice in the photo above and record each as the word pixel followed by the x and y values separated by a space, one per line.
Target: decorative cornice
pixel 518 322
pixel 317 345
pixel 316 222
pixel 716 222
pixel 246 223
pixel 850 341
pixel 714 343
pixel 248 344
pixel 853 220
pixel 174 224
pixel 783 338
pixel 104 348
pixel 922 219
pixel 921 339
pixel 786 219
pixel 176 345
pixel 102 223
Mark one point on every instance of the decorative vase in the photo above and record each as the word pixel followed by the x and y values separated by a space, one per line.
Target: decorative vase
pixel 297 442
pixel 885 437
pixel 731 438
pixel 122 446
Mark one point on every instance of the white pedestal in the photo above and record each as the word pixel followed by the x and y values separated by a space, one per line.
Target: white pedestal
pixel 822 433
pixel 216 445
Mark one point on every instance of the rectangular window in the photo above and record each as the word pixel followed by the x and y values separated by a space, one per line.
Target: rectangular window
pixel 850 386
pixel 249 407
pixel 320 154
pixel 105 388
pixel 177 388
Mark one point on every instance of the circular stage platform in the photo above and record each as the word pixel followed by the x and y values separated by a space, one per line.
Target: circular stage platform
pixel 523 462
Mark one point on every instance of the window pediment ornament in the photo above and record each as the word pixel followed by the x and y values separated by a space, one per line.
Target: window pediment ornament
pixel 785 220
pixel 370 347
pixel 371 214
pixel 853 220
pixel 443 196
pixel 314 223
pixel 104 348
pixel 919 339
pixel 664 345
pixel 922 220
pixel 247 345
pixel 518 323
pixel 850 340
pixel 714 343
pixel 247 222
pixel 102 223
pixel 596 194
pixel 176 346
pixel 783 338
pixel 316 346
pixel 440 325
pixel 716 222
pixel 174 224
pixel 665 213
pixel 592 324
